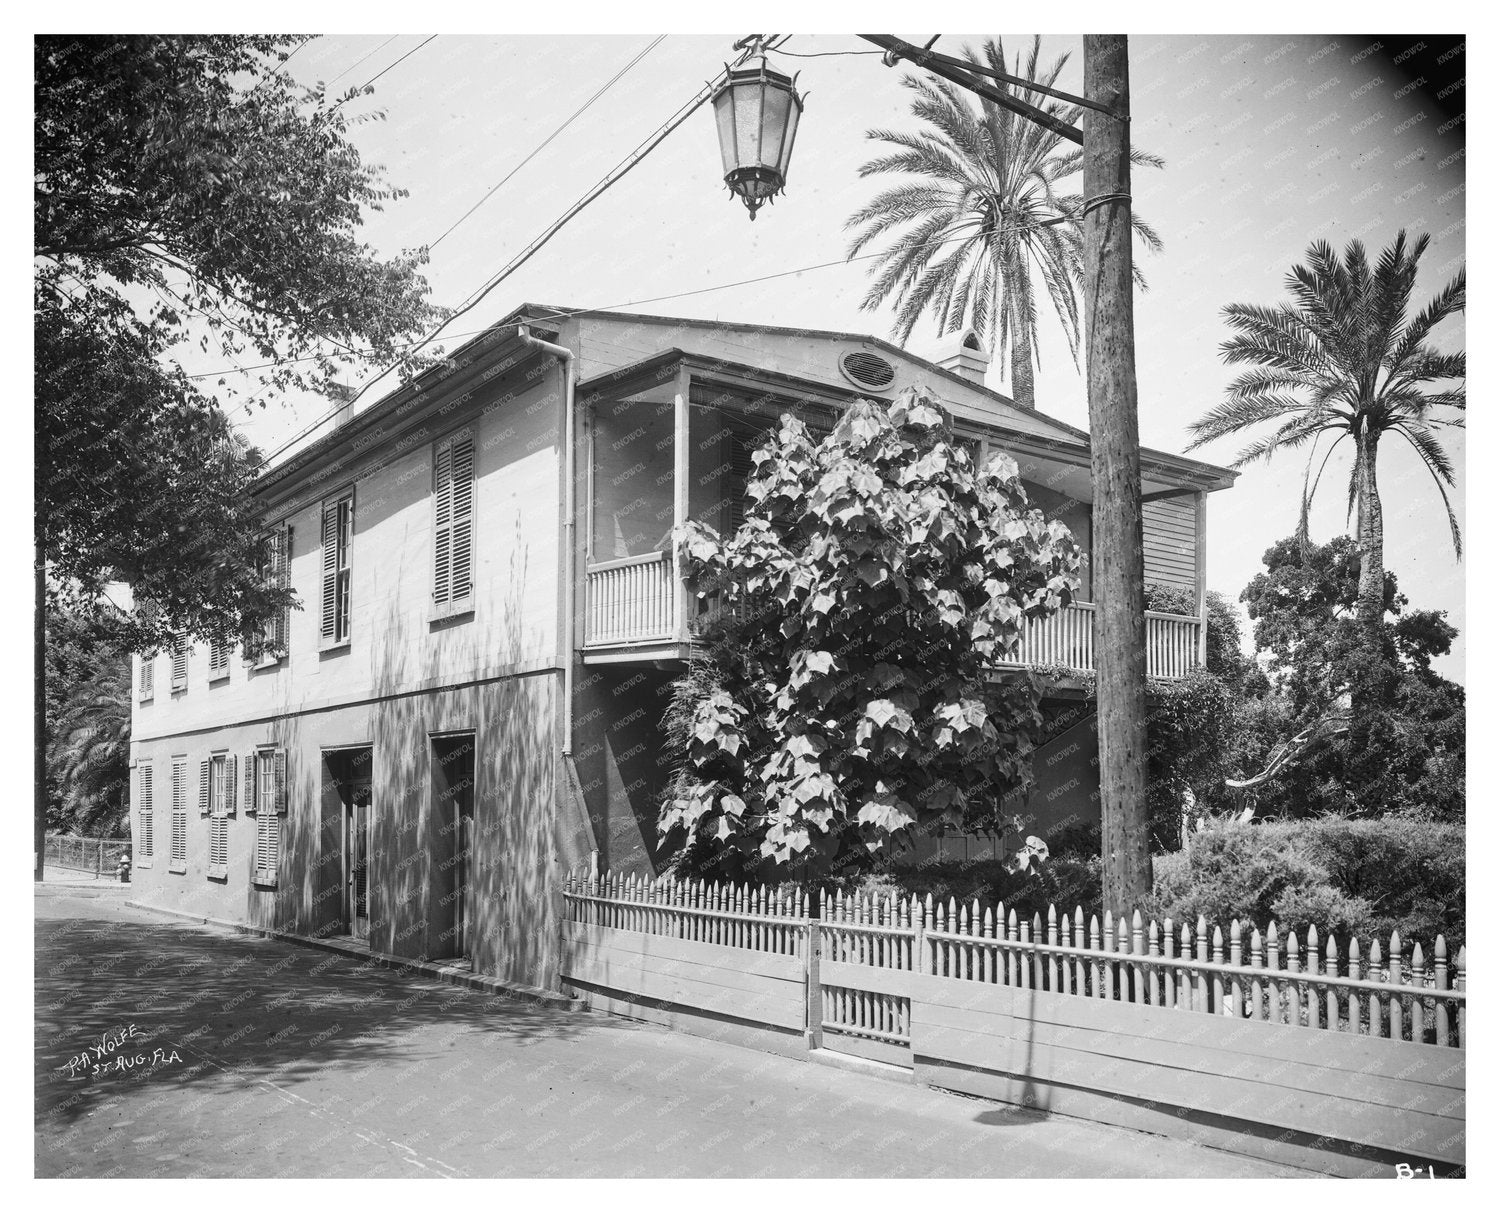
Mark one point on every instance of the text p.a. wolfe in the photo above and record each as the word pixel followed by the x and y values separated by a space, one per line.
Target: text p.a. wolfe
pixel 107 1056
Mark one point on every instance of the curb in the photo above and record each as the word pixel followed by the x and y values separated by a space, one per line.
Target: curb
pixel 515 991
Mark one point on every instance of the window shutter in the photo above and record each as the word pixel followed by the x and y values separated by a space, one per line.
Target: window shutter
pixel 442 531
pixel 463 519
pixel 330 567
pixel 178 856
pixel 179 663
pixel 281 572
pixel 230 785
pixel 250 783
pixel 148 675
pixel 279 782
pixel 205 773
pixel 143 813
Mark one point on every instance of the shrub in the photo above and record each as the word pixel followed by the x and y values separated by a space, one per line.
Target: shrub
pixel 1363 878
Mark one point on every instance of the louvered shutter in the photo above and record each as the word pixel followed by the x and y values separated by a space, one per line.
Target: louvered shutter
pixel 442 493
pixel 144 812
pixel 178 853
pixel 463 520
pixel 278 783
pixel 179 664
pixel 282 549
pixel 231 785
pixel 205 774
pixel 330 568
pixel 148 675
pixel 741 468
pixel 250 783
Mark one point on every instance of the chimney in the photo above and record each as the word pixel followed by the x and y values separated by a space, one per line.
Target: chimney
pixel 966 357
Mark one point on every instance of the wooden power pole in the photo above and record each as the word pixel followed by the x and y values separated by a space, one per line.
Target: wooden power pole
pixel 1119 569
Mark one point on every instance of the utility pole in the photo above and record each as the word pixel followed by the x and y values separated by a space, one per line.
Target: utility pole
pixel 1115 456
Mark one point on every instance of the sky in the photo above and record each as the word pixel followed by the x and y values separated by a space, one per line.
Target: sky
pixel 1270 142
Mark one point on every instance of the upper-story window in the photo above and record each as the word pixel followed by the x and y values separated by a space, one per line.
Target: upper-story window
pixel 269 643
pixel 218 660
pixel 180 651
pixel 453 524
pixel 338 531
pixel 147 690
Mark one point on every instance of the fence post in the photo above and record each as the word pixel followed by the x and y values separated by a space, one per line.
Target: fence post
pixel 811 958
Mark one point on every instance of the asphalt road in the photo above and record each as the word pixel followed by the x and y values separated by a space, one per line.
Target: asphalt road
pixel 168 1049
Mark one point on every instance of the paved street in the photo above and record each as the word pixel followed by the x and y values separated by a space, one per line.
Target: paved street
pixel 260 1058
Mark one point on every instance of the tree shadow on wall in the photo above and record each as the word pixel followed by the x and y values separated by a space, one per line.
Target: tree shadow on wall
pixel 514 923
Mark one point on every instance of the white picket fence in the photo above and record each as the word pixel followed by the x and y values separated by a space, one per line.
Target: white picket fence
pixel 1267 976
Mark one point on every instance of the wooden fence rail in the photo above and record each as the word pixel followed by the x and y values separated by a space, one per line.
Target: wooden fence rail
pixel 1348 1058
pixel 1391 993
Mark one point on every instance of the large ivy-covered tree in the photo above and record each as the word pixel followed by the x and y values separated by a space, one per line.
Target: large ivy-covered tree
pixel 847 697
pixel 189 195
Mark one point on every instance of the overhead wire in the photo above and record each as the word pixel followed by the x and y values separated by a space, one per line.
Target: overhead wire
pixel 604 88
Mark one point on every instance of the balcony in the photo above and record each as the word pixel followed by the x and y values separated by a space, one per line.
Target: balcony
pixel 635 610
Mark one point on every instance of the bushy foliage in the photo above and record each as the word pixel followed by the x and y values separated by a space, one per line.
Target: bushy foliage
pixel 1409 756
pixel 190 194
pixel 1365 878
pixel 848 696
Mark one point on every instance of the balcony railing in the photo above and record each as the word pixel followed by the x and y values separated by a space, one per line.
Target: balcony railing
pixel 633 601
pixel 1067 640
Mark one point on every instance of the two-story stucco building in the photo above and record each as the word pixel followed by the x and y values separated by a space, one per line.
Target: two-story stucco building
pixel 468 703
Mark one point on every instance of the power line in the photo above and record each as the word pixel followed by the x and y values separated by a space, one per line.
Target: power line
pixel 387 68
pixel 604 88
pixel 363 57
pixel 583 311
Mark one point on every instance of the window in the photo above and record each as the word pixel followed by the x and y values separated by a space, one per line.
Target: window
pixel 216 801
pixel 218 660
pixel 453 524
pixel 177 860
pixel 269 644
pixel 338 527
pixel 180 651
pixel 144 847
pixel 148 677
pixel 265 796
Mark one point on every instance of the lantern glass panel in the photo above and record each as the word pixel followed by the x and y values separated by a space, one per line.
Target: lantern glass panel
pixel 748 106
pixel 794 112
pixel 774 127
pixel 724 113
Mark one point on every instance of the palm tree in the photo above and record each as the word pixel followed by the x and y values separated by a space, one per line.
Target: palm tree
pixel 986 220
pixel 1342 359
pixel 90 756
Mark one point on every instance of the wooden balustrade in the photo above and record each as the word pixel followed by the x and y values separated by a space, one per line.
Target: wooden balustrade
pixel 1067 640
pixel 634 601
pixel 630 600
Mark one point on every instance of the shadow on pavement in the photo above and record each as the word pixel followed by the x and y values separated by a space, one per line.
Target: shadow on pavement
pixel 237 1007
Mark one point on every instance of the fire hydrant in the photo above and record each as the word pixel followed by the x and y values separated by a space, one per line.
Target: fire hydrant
pixel 122 869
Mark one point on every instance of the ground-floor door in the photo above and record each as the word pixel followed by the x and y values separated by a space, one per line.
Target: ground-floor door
pixel 351 771
pixel 453 803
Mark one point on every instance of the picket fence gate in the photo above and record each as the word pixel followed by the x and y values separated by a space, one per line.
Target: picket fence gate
pixel 1360 1043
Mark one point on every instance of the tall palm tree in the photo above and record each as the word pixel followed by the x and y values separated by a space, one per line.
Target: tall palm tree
pixel 1342 360
pixel 987 218
pixel 90 756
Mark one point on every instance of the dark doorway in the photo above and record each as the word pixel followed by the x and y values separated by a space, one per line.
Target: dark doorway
pixel 453 805
pixel 351 771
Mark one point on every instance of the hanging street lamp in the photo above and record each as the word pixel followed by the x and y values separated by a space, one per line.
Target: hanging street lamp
pixel 757 109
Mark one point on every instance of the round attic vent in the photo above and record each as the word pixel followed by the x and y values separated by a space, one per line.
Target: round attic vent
pixel 867 369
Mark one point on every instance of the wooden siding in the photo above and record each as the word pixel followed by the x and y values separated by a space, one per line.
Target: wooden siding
pixel 1170 535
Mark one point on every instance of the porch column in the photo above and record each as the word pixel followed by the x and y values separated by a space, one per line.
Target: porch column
pixel 1200 529
pixel 679 500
